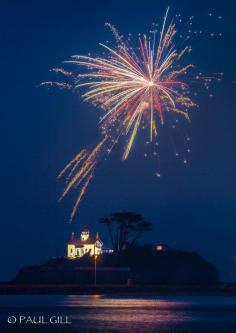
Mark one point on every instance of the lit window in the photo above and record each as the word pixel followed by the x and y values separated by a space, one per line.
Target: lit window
pixel 159 247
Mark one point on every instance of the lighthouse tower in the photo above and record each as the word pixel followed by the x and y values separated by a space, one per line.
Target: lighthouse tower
pixel 84 235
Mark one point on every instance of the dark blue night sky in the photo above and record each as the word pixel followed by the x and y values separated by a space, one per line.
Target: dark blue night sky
pixel 192 207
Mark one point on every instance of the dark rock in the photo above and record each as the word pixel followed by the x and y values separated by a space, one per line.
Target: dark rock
pixel 144 265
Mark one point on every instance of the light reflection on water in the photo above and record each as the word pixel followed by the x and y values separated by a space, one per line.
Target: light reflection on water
pixel 116 314
pixel 129 314
pixel 114 301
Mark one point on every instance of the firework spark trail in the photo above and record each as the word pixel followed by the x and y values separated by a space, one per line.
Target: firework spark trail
pixel 81 193
pixel 60 85
pixel 61 71
pixel 131 86
pixel 81 170
pixel 75 161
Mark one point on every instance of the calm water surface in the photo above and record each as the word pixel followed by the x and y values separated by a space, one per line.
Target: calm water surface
pixel 113 314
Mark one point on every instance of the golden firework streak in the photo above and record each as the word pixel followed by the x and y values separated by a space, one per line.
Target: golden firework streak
pixel 81 193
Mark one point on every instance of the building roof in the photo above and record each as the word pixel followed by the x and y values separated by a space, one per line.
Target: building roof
pixel 80 243
pixel 74 242
pixel 85 229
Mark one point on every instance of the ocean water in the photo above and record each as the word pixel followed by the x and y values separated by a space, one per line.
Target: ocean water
pixel 117 314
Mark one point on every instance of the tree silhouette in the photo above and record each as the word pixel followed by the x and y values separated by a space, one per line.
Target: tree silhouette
pixel 125 228
pixel 106 221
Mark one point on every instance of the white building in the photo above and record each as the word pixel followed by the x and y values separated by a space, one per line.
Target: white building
pixel 77 248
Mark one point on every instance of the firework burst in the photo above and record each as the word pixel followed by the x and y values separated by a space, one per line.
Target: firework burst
pixel 133 86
